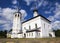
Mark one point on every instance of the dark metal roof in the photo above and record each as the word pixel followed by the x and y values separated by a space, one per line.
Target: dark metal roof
pixel 33 30
pixel 35 10
pixel 35 17
pixel 17 12
pixel 20 32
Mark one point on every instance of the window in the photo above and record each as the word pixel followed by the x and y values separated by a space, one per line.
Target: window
pixel 29 34
pixel 32 34
pixel 44 25
pixel 48 26
pixel 18 15
pixel 36 26
pixel 29 27
pixel 24 35
pixel 25 28
pixel 39 34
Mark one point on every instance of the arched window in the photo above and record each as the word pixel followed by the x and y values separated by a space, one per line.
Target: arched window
pixel 18 15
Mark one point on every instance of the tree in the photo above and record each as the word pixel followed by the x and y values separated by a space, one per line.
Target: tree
pixel 3 34
pixel 57 33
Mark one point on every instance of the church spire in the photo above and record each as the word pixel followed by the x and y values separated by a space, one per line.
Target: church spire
pixel 17 7
pixel 35 11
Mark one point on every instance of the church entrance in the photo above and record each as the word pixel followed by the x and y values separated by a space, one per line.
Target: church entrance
pixel 24 35
pixel 50 35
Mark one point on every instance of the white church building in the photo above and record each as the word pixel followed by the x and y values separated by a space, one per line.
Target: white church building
pixel 36 27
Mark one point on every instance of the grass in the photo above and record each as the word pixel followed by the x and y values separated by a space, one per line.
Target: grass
pixel 31 40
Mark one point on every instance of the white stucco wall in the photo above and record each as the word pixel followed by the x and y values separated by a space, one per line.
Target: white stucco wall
pixel 33 34
pixel 16 23
pixel 32 23
pixel 30 35
pixel 45 26
pixel 17 36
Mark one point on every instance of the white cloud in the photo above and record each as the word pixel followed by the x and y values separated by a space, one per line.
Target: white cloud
pixel 47 12
pixel 51 18
pixel 2 21
pixel 28 2
pixel 39 3
pixel 7 26
pixel 57 11
pixel 45 3
pixel 56 25
pixel 56 17
pixel 24 14
pixel 14 2
pixel 7 14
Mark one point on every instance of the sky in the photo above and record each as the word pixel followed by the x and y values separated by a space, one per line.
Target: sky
pixel 48 8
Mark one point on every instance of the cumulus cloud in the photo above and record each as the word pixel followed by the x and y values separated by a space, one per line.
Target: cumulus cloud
pixel 56 25
pixel 14 2
pixel 47 12
pixel 24 14
pixel 7 14
pixel 2 21
pixel 28 2
pixel 56 17
pixel 51 18
pixel 57 11
pixel 39 3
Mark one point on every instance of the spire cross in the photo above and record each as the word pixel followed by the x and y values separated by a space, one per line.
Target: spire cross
pixel 17 7
pixel 35 5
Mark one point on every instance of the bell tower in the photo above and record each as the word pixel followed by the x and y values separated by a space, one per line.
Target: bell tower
pixel 17 25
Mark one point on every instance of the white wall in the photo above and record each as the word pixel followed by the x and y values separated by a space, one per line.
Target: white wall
pixel 32 23
pixel 30 35
pixel 17 36
pixel 16 23
pixel 45 29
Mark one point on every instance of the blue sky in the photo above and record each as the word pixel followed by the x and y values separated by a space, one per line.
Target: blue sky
pixel 48 8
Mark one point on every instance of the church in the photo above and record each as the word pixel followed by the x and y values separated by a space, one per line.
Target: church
pixel 36 27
